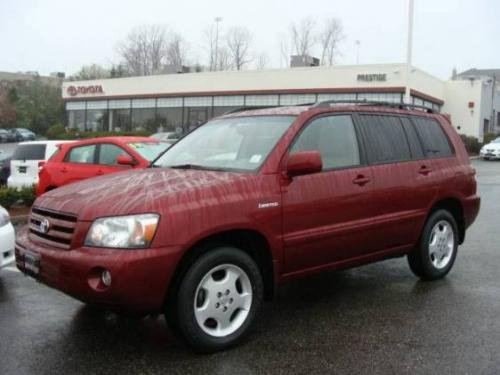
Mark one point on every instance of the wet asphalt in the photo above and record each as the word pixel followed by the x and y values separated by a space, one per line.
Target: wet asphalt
pixel 373 319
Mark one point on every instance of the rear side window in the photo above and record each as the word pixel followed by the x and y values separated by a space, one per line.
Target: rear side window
pixel 335 139
pixel 108 154
pixel 434 140
pixel 82 155
pixel 385 139
pixel 413 141
pixel 30 152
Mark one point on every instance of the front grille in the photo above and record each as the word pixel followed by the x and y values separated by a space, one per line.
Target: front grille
pixel 60 229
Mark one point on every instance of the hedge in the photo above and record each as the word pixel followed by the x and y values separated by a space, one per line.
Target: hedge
pixel 58 132
pixel 10 196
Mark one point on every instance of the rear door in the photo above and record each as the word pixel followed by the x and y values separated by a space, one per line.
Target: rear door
pixel 24 164
pixel 325 214
pixel 398 202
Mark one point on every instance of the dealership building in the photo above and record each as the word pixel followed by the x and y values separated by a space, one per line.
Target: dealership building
pixel 175 102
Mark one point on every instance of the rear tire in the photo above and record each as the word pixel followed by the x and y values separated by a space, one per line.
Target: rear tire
pixel 435 254
pixel 218 299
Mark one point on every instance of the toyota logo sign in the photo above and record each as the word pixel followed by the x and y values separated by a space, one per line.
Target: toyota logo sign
pixel 92 89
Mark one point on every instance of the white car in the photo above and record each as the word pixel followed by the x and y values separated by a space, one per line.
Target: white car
pixel 7 238
pixel 491 150
pixel 27 160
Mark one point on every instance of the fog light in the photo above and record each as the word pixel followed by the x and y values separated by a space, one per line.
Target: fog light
pixel 106 277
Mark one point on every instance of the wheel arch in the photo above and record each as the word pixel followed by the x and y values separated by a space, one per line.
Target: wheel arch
pixel 250 241
pixel 454 207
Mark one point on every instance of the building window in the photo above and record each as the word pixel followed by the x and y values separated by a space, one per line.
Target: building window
pixel 198 101
pixel 169 119
pixel 325 97
pixel 76 119
pixel 219 111
pixel 143 115
pixel 119 115
pixel 97 120
pixel 380 97
pixel 296 99
pixel 229 101
pixel 261 100
pixel 169 102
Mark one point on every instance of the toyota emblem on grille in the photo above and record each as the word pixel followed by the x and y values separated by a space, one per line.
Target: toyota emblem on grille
pixel 44 226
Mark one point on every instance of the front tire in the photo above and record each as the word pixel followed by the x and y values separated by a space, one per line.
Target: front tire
pixel 435 254
pixel 218 299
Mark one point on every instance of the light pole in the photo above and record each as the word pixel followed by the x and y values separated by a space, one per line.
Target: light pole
pixel 409 47
pixel 218 20
pixel 357 51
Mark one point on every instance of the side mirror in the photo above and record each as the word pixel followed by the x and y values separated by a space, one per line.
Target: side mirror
pixel 304 162
pixel 125 160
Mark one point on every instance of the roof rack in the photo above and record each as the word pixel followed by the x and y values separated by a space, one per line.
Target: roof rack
pixel 374 103
pixel 242 109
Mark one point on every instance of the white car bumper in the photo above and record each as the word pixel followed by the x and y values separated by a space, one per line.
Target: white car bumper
pixel 20 182
pixel 7 241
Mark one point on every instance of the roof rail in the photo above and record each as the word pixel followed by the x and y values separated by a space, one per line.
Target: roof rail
pixel 242 109
pixel 327 103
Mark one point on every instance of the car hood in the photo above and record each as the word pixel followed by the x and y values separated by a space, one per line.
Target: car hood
pixel 141 191
pixel 492 146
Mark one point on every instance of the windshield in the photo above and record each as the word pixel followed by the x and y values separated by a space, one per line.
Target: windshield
pixel 149 150
pixel 236 143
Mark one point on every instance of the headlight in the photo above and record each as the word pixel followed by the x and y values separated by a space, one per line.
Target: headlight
pixel 134 231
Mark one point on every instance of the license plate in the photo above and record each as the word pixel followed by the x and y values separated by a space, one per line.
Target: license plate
pixel 32 262
pixel 22 169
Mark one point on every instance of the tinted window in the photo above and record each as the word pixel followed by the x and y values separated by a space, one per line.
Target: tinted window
pixel 384 138
pixel 413 141
pixel 30 152
pixel 434 141
pixel 108 154
pixel 82 154
pixel 334 137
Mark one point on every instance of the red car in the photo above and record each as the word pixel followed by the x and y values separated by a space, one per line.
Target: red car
pixel 94 157
pixel 251 200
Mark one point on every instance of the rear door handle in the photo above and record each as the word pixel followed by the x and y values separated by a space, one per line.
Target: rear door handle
pixel 425 170
pixel 361 180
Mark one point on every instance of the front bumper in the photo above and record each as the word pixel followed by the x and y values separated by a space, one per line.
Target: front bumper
pixel 7 239
pixel 140 278
pixel 17 182
pixel 490 155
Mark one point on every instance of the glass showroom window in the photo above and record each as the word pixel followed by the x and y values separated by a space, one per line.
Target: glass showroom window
pixel 76 120
pixel 119 115
pixel 76 115
pixel 97 116
pixel 143 115
pixel 169 119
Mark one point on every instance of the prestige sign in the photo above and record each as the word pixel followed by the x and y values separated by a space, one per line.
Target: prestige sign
pixel 372 77
pixel 92 89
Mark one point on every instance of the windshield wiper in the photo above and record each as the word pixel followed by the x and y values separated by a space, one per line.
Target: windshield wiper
pixel 195 166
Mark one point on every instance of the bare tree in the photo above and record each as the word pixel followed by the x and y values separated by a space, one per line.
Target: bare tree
pixel 218 56
pixel 285 52
pixel 88 72
pixel 144 50
pixel 262 61
pixel 329 39
pixel 238 40
pixel 176 50
pixel 303 36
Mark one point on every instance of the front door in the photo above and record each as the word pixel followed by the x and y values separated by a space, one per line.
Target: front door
pixel 325 214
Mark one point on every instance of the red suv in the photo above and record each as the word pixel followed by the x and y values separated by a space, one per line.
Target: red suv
pixel 251 200
pixel 94 157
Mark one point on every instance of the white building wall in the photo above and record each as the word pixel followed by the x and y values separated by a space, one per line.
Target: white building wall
pixel 458 94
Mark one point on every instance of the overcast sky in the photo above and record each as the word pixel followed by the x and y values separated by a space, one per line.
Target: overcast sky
pixel 63 35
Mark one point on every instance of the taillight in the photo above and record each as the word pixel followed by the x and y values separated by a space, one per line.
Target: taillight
pixel 40 166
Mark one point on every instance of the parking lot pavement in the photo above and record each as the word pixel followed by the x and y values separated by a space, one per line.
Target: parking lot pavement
pixel 373 319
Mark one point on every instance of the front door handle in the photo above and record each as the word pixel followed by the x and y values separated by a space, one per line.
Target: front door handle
pixel 361 180
pixel 425 170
